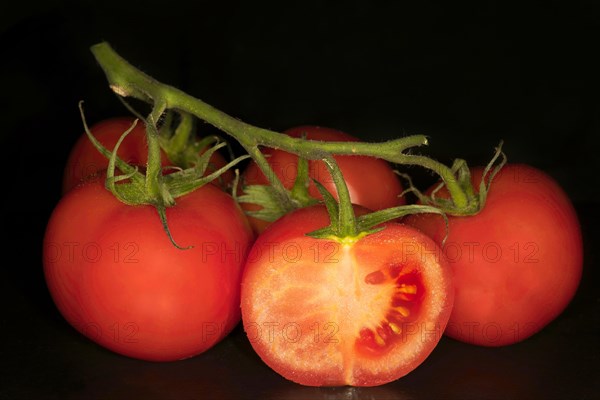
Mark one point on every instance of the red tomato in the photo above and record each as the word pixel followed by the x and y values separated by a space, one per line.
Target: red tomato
pixel 85 162
pixel 115 276
pixel 517 263
pixel 371 182
pixel 321 313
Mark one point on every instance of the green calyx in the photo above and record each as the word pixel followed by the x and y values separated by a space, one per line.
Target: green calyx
pixel 266 197
pixel 153 187
pixel 475 199
pixel 344 226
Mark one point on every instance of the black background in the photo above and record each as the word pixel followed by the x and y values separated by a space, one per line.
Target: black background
pixel 466 75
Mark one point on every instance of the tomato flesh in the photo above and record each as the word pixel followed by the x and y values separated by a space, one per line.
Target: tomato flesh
pixel 321 313
pixel 517 263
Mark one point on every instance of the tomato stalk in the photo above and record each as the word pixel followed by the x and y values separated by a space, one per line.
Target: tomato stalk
pixel 299 191
pixel 265 196
pixel 126 80
pixel 460 169
pixel 153 187
pixel 179 144
pixel 344 226
pixel 178 141
pixel 346 220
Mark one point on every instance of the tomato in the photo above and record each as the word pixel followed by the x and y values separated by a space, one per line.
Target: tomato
pixel 371 182
pixel 517 263
pixel 85 162
pixel 321 313
pixel 116 277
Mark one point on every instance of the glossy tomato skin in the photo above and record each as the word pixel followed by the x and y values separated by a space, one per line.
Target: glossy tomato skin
pixel 85 162
pixel 517 264
pixel 371 182
pixel 115 276
pixel 314 310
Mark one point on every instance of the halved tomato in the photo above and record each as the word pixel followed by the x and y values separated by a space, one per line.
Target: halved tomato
pixel 329 313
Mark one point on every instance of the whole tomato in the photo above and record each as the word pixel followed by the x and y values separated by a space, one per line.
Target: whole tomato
pixel 371 182
pixel 116 277
pixel 85 162
pixel 362 312
pixel 517 263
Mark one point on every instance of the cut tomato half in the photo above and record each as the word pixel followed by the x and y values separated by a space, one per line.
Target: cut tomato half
pixel 323 313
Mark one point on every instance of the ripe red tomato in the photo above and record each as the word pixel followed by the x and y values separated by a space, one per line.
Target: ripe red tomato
pixel 371 182
pixel 85 162
pixel 517 263
pixel 115 276
pixel 321 313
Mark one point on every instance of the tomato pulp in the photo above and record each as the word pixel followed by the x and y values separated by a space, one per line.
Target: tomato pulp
pixel 371 182
pixel 115 276
pixel 517 263
pixel 322 313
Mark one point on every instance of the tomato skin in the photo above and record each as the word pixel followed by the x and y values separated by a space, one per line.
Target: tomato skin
pixel 304 301
pixel 517 264
pixel 371 182
pixel 115 276
pixel 85 162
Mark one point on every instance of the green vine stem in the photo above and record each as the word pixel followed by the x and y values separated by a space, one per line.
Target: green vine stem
pixel 153 187
pixel 346 218
pixel 127 81
pixel 299 191
pixel 345 227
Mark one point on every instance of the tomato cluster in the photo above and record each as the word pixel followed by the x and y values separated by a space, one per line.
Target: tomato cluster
pixel 361 311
